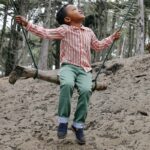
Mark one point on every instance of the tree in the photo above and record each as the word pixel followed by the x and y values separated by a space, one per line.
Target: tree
pixel 2 35
pixel 45 43
pixel 140 28
pixel 70 1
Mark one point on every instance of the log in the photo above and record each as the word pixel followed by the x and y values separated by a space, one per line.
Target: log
pixel 51 76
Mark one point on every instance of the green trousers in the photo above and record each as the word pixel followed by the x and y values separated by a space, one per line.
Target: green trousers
pixel 73 76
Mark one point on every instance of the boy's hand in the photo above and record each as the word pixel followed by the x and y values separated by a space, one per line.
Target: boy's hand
pixel 21 20
pixel 116 35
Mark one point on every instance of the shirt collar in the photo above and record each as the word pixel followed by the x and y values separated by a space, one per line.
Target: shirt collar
pixel 82 27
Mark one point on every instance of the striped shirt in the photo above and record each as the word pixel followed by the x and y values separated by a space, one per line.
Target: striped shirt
pixel 76 43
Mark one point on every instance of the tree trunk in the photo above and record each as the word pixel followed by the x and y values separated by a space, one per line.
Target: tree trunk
pixel 79 2
pixel 123 47
pixel 43 60
pixel 130 42
pixel 70 1
pixel 56 54
pixel 149 28
pixel 12 50
pixel 23 54
pixel 114 18
pixel 3 33
pixel 140 28
pixel 101 25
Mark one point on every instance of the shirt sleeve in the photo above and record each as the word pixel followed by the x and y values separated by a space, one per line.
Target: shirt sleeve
pixel 51 34
pixel 100 45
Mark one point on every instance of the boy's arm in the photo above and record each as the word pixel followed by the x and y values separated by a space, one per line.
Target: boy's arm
pixel 57 33
pixel 51 34
pixel 105 43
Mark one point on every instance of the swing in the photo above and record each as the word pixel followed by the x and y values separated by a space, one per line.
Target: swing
pixel 52 76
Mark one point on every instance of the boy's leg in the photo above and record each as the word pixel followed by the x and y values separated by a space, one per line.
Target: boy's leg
pixel 84 86
pixel 67 78
pixel 67 81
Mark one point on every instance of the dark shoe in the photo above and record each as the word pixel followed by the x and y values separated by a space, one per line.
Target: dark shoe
pixel 79 135
pixel 62 130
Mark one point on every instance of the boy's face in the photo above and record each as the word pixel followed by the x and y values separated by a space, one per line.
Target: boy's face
pixel 74 14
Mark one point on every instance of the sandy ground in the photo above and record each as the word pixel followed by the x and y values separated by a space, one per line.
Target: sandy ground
pixel 118 118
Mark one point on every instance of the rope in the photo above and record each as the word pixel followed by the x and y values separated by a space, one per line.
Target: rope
pixel 110 49
pixel 24 33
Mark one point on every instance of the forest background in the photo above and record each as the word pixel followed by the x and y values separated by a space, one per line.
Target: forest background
pixel 103 16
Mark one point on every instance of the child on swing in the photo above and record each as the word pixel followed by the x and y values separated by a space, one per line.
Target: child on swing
pixel 76 43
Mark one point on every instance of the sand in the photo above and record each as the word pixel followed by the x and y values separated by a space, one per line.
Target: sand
pixel 118 118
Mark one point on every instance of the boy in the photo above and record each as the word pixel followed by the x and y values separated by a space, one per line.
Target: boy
pixel 75 57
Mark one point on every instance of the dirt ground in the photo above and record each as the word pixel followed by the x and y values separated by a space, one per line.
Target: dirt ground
pixel 118 118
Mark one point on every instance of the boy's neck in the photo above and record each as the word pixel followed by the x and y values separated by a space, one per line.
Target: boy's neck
pixel 76 24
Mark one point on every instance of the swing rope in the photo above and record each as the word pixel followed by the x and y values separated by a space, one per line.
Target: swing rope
pixel 110 49
pixel 24 33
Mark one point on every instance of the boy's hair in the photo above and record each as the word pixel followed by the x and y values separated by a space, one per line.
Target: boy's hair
pixel 61 14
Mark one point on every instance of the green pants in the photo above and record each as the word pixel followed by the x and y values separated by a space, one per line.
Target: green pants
pixel 73 76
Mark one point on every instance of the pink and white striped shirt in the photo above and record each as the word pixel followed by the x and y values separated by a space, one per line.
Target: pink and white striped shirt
pixel 75 43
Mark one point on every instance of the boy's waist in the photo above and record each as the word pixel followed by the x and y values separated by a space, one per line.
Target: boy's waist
pixel 86 69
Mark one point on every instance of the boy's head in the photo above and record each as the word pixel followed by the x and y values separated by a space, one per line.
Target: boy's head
pixel 68 14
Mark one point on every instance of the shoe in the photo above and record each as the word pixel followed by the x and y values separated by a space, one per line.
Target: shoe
pixel 62 130
pixel 79 135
